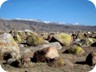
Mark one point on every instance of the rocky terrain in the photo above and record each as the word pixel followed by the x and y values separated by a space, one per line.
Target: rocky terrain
pixel 35 46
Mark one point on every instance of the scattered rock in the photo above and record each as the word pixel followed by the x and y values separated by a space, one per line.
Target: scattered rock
pixel 22 36
pixel 28 32
pixel 86 42
pixel 55 44
pixel 63 38
pixel 45 53
pixel 76 50
pixel 57 62
pixel 8 45
pixel 17 38
pixel 91 58
pixel 25 61
pixel 68 63
pixel 34 40
pixel 44 35
pixel 80 35
pixel 51 53
pixel 94 44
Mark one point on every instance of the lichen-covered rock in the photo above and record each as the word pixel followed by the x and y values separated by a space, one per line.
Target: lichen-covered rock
pixel 91 58
pixel 76 50
pixel 63 38
pixel 34 40
pixel 8 45
pixel 28 32
pixel 44 35
pixel 57 62
pixel 86 42
pixel 13 32
pixel 17 38
pixel 22 36
pixel 46 53
pixel 80 35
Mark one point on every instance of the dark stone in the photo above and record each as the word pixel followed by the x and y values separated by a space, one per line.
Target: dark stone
pixel 7 56
pixel 94 44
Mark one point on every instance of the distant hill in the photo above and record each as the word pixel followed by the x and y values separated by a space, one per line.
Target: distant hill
pixel 39 26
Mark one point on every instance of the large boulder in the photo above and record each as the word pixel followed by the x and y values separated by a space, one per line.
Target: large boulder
pixel 34 40
pixel 8 46
pixel 51 53
pixel 45 54
pixel 63 38
pixel 91 59
pixel 76 50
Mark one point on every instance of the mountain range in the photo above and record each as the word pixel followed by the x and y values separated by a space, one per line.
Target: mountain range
pixel 39 26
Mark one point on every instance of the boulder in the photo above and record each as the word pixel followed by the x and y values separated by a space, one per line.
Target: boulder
pixel 45 53
pixel 28 32
pixel 63 38
pixel 68 63
pixel 34 40
pixel 94 44
pixel 86 42
pixel 22 35
pixel 24 60
pixel 8 46
pixel 91 58
pixel 76 50
pixel 27 53
pixel 93 35
pixel 56 62
pixel 17 38
pixel 55 44
pixel 80 35
pixel 44 36
pixel 76 41
pixel 51 53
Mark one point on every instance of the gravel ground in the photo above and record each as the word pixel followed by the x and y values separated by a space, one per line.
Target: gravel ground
pixel 78 62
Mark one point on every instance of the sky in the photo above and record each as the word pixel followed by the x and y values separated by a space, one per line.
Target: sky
pixel 66 11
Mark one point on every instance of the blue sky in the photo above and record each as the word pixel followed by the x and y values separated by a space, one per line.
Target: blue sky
pixel 67 11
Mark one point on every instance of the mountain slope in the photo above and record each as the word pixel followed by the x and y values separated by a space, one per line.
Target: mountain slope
pixel 7 25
